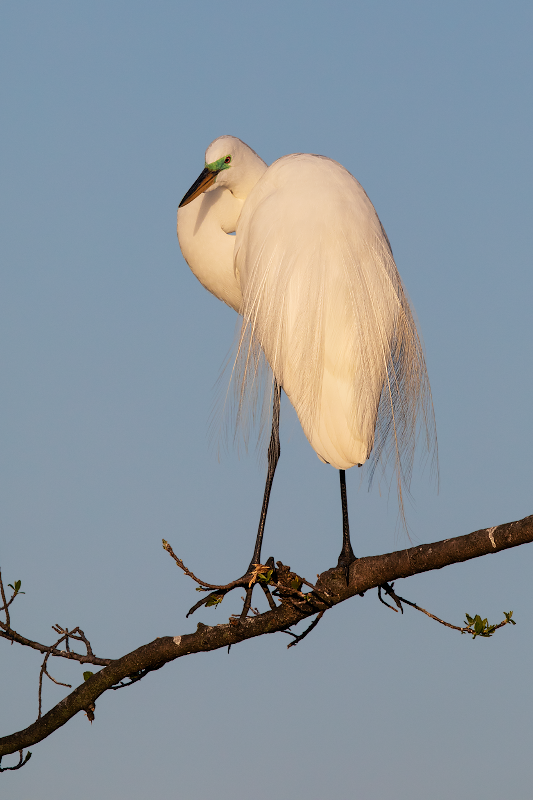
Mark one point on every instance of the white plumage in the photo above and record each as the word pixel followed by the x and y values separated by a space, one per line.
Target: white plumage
pixel 311 272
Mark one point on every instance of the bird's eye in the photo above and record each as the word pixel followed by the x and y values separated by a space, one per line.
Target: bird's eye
pixel 227 160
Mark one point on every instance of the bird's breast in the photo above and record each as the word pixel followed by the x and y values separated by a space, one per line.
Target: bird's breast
pixel 204 227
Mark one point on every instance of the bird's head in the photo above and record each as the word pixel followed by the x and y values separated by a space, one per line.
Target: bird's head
pixel 229 163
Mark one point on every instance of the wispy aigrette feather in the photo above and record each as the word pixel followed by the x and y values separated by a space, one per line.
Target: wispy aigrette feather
pixel 323 305
pixel 323 301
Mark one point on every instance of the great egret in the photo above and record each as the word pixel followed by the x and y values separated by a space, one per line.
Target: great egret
pixel 311 271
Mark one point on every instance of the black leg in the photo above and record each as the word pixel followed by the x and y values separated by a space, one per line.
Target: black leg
pixel 347 556
pixel 273 457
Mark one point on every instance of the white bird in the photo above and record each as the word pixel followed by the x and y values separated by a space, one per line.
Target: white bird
pixel 311 271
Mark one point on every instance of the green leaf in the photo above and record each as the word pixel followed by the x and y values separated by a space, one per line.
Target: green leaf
pixel 87 675
pixel 27 758
pixel 214 600
pixel 481 627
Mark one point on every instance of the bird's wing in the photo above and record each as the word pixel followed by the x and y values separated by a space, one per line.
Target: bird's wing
pixel 323 300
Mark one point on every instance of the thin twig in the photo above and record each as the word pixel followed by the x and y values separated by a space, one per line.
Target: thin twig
pixel 390 591
pixel 307 630
pixel 188 572
pixel 381 600
pixel 271 601
pixel 77 634
pixel 85 641
pixel 318 592
pixel 13 636
pixel 6 605
pixel 299 599
pixel 468 629
pixel 42 672
pixel 17 766
pixel 399 600
pixel 293 597
pixel 58 683
pixel 132 679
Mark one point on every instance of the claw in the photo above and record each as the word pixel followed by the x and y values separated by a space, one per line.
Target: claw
pixel 287 585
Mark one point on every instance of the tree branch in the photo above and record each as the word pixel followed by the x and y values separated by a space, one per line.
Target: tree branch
pixel 365 574
pixel 87 658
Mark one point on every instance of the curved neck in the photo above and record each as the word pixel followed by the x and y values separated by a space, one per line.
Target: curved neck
pixel 204 228
pixel 205 225
pixel 255 169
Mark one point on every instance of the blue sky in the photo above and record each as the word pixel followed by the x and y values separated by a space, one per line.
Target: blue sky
pixel 110 350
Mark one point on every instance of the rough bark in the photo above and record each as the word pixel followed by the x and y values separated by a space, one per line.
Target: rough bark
pixel 365 574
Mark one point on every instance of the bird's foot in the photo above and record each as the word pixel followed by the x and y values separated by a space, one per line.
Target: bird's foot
pixel 345 561
pixel 257 574
pixel 287 586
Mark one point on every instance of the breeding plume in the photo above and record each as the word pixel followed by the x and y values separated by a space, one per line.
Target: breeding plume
pixel 311 272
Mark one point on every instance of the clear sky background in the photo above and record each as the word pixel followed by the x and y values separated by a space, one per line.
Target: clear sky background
pixel 110 350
